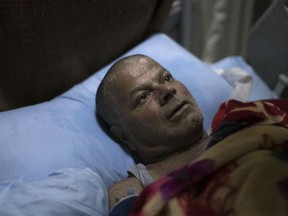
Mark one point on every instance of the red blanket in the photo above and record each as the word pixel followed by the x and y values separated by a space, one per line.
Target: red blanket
pixel 244 171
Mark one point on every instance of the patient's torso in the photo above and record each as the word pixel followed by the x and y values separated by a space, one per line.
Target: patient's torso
pixel 143 175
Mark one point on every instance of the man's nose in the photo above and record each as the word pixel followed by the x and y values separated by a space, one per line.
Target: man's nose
pixel 165 93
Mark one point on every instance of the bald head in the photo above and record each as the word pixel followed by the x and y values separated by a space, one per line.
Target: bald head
pixel 148 110
pixel 106 97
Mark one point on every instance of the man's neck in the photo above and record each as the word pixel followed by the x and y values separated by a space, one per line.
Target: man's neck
pixel 176 160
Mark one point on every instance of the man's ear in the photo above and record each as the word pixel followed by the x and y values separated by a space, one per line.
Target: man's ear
pixel 121 135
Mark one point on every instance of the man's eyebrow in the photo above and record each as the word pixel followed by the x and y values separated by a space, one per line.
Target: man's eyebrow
pixel 140 88
pixel 145 85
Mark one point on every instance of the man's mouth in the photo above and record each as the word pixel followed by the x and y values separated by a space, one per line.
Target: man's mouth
pixel 176 109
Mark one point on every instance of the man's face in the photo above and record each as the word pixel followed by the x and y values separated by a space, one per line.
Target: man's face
pixel 159 115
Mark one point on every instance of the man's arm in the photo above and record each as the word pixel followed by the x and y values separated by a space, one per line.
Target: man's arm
pixel 124 188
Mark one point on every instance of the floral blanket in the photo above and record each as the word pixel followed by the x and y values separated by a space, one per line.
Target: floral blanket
pixel 243 172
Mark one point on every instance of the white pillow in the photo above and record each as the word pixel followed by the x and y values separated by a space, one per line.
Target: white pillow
pixel 70 192
pixel 63 133
pixel 260 89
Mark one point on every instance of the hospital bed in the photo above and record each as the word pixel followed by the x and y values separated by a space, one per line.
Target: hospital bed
pixel 55 158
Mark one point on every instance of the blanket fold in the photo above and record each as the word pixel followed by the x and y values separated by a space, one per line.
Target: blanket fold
pixel 244 172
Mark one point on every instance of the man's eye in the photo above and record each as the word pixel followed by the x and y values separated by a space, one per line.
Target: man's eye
pixel 142 98
pixel 168 78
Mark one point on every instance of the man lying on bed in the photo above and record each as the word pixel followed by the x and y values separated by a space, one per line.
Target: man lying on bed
pixel 158 120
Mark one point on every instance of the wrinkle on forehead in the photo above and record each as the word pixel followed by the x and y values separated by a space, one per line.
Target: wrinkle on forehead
pixel 140 66
pixel 135 65
pixel 131 69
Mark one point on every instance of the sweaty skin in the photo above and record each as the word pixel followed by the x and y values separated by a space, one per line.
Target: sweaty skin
pixel 159 114
pixel 157 119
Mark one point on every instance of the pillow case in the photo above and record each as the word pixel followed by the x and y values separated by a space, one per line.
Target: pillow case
pixel 63 133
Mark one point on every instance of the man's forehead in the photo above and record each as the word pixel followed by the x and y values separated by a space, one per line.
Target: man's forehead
pixel 139 67
pixel 135 75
